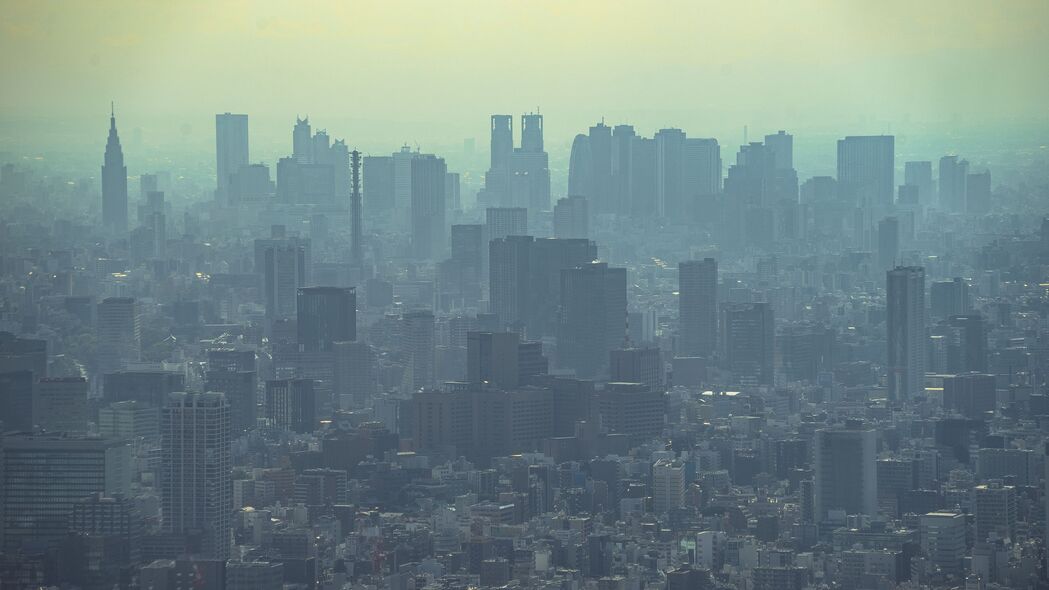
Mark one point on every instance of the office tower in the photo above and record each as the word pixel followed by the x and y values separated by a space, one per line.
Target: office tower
pixel 995 506
pixel 356 207
pixel 196 469
pixel 687 577
pixel 643 190
pixel 972 395
pixel 119 333
pixel 354 381
pixel 905 303
pixel 231 150
pixel 953 175
pixel 530 168
pixel 429 234
pixel 668 485
pixel 506 221
pixel 44 476
pixel 469 248
pixel 782 147
pixel 636 365
pixel 571 218
pixel 530 361
pixel 888 242
pixel 948 298
pixel 698 307
pixel 378 184
pixel 968 344
pixel 325 315
pixel 866 170
pixel 508 276
pixel 592 318
pixel 283 265
pixel 747 335
pixel 302 142
pixel 600 141
pixel 532 132
pixel 943 540
pixel 60 404
pixel 114 183
pixel 16 401
pixel 239 388
pixel 419 349
pixel 580 168
pixel 231 359
pixel 623 141
pixel 493 358
pixel 116 523
pixel 670 199
pixel 978 193
pixel 701 174
pixel 151 387
pixel 846 471
pixel 502 141
pixel 23 354
pixel 919 175
pixel 251 183
pixel 291 405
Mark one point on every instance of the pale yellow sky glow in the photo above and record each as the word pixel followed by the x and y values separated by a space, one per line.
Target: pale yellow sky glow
pixel 437 69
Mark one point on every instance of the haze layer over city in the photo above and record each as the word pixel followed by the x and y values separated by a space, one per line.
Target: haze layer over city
pixel 528 296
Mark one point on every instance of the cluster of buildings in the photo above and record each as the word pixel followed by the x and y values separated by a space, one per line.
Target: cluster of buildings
pixel 668 377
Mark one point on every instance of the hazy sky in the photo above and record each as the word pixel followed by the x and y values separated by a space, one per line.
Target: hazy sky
pixel 394 71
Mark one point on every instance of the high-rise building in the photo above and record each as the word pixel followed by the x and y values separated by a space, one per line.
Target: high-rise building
pixel 668 485
pixel 571 218
pixel 239 388
pixel 119 333
pixel 978 193
pixel 623 141
pixel 16 401
pixel 953 176
pixel 747 335
pixel 114 183
pixel 670 189
pixel 60 404
pixel 509 273
pixel 949 298
pixel 636 365
pixel 701 174
pixel 429 233
pixel 601 197
pixel 196 482
pixel 846 471
pixel 592 318
pixel 972 395
pixel 231 150
pixel 995 506
pixel 697 307
pixel 354 381
pixel 919 175
pixel 782 147
pixel 580 168
pixel 866 169
pixel 506 221
pixel 325 315
pixel 302 141
pixel 42 477
pixel 378 185
pixel 291 405
pixel 493 358
pixel 23 354
pixel 419 349
pixel 905 303
pixel 283 265
pixel 888 242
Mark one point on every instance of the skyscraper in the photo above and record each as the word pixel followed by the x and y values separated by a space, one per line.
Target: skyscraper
pixel 119 335
pixel 905 302
pixel 493 358
pixel 697 307
pixel 670 199
pixel 866 169
pixel 283 265
pixel 846 471
pixel 356 210
pixel 782 147
pixel 506 221
pixel 114 183
pixel 600 141
pixel 747 334
pixel 592 318
pixel 325 315
pixel 954 174
pixel 888 242
pixel 60 404
pixel 419 349
pixel 239 387
pixel 429 233
pixel 510 263
pixel 580 168
pixel 497 179
pixel 196 469
pixel 668 485
pixel 291 405
pixel 919 174
pixel 16 401
pixel 571 217
pixel 231 150
pixel 302 141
